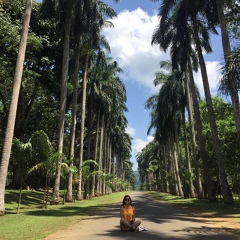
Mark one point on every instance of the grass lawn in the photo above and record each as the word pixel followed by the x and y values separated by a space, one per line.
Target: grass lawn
pixel 34 222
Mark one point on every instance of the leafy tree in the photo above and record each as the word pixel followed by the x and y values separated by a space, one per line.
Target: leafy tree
pixel 195 12
pixel 47 168
pixel 21 155
pixel 228 138
pixel 230 80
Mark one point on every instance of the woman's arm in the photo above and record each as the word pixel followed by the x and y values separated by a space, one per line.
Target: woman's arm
pixel 133 218
pixel 121 212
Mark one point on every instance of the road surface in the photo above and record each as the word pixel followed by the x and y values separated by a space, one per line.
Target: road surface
pixel 162 221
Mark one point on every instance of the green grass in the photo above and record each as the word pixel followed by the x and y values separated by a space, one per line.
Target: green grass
pixel 200 207
pixel 34 223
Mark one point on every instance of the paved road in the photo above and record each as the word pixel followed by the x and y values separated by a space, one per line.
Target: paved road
pixel 161 220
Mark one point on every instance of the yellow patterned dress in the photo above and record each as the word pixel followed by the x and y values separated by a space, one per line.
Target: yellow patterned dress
pixel 128 215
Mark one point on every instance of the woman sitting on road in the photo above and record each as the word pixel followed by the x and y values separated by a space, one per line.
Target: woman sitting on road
pixel 127 213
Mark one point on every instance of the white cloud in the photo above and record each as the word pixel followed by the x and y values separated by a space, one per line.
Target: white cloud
pixel 139 144
pixel 130 42
pixel 131 131
pixel 213 78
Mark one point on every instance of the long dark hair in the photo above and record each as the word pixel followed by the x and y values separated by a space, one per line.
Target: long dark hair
pixel 127 196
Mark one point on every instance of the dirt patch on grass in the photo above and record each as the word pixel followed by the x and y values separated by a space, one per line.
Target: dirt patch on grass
pixel 228 224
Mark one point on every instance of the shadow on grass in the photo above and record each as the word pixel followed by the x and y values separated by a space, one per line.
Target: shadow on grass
pixel 29 198
pixel 67 211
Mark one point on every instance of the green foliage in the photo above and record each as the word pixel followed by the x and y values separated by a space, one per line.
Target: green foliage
pixel 232 16
pixel 41 146
pixel 227 134
pixel 21 155
pixel 39 101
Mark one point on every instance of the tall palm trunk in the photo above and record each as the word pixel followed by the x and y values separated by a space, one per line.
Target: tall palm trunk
pixel 231 80
pixel 175 162
pixel 191 187
pixel 104 159
pixel 69 197
pixel 165 179
pixel 63 98
pixel 13 106
pixel 175 148
pixel 110 167
pixel 193 139
pixel 201 140
pixel 83 113
pixel 227 194
pixel 100 167
pixel 171 162
pixel 96 150
pixel 89 131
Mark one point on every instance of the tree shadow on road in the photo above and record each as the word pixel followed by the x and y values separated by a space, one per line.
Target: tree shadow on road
pixel 193 234
pixel 151 210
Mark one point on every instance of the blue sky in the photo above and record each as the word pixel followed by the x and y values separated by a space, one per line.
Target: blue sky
pixel 130 42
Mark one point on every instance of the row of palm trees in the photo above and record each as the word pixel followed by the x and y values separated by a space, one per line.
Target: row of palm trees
pixel 98 101
pixel 184 29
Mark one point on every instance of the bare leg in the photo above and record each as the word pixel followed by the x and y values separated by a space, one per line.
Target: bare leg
pixel 126 224
pixel 136 223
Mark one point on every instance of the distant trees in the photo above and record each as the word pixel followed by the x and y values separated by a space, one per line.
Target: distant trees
pixel 65 43
pixel 184 29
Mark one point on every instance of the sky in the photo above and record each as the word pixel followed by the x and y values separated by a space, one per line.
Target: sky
pixel 130 42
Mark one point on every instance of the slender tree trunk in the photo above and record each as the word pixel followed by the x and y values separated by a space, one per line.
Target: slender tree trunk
pixel 65 63
pixel 193 139
pixel 211 197
pixel 166 181
pixel 104 162
pixel 96 151
pixel 69 196
pixel 110 168
pixel 101 156
pixel 175 189
pixel 83 112
pixel 232 82
pixel 13 106
pixel 191 187
pixel 179 184
pixel 227 194
pixel 176 151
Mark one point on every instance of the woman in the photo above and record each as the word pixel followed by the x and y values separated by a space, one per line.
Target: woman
pixel 127 213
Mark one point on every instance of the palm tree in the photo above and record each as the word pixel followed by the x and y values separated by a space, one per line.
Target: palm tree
pixel 83 11
pixel 13 107
pixel 22 154
pixel 230 83
pixel 227 194
pixel 206 10
pixel 64 82
pixel 97 11
pixel 168 116
pixel 175 32
pixel 103 85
